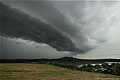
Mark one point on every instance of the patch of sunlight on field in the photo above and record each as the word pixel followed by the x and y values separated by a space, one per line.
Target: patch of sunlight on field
pixel 18 71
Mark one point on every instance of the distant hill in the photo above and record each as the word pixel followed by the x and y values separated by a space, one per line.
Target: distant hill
pixel 75 59
pixel 64 59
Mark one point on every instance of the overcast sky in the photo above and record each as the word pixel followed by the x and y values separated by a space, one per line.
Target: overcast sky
pixel 91 25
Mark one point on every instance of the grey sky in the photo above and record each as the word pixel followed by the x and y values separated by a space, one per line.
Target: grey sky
pixel 20 49
pixel 90 25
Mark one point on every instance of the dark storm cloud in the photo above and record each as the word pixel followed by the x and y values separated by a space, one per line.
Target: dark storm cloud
pixel 76 20
pixel 46 11
pixel 55 15
pixel 16 24
pixel 71 24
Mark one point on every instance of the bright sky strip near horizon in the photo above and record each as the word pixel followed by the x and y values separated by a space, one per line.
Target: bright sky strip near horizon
pixel 97 24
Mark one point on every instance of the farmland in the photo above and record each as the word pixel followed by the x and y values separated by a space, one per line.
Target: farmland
pixel 26 71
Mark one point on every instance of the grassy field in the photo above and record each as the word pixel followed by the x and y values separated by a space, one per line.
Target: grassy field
pixel 19 71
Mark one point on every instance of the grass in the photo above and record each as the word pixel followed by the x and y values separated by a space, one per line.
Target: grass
pixel 21 71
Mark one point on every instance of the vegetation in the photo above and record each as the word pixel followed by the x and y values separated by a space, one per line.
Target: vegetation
pixel 105 68
pixel 26 71
pixel 114 68
pixel 75 64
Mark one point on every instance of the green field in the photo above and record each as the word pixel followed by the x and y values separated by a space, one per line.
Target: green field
pixel 21 71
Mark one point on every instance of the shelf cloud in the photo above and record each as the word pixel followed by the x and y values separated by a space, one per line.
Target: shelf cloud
pixel 86 26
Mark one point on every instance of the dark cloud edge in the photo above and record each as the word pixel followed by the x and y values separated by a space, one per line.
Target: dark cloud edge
pixel 55 39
